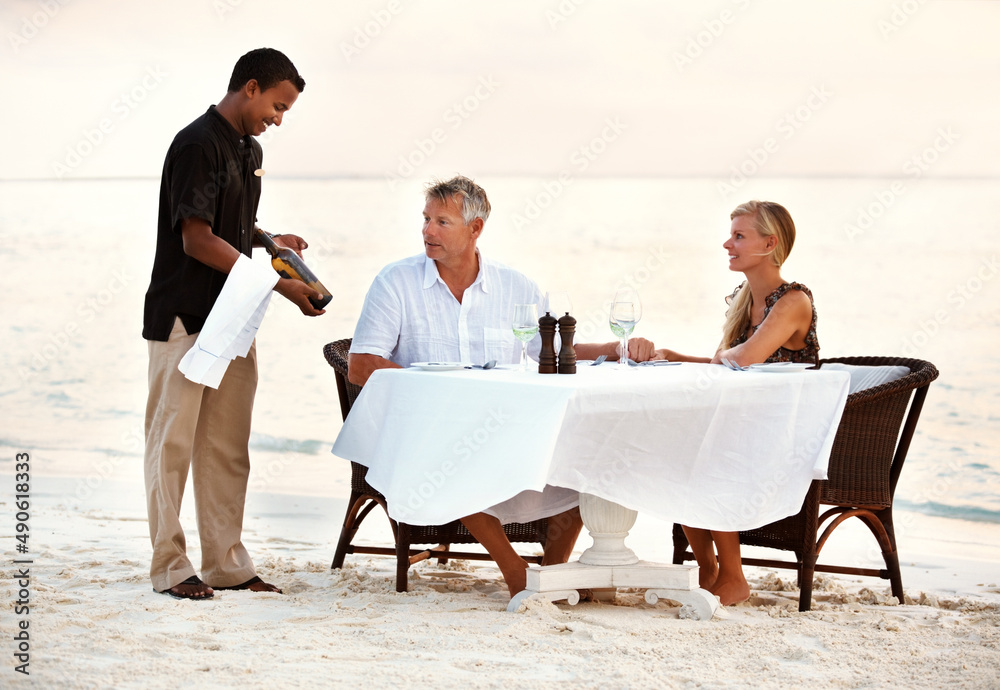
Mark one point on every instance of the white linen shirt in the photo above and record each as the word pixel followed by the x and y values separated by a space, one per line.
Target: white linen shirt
pixel 410 315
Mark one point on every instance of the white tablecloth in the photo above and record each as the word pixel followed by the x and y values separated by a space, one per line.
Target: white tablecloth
pixel 697 444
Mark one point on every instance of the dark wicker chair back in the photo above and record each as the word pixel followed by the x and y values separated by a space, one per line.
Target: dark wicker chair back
pixel 865 463
pixel 364 498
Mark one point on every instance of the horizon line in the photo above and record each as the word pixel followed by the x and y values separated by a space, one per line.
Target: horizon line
pixel 810 176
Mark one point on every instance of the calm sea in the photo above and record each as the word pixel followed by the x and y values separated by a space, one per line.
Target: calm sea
pixel 898 267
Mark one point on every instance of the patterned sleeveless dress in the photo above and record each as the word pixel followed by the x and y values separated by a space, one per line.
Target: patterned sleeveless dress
pixel 809 353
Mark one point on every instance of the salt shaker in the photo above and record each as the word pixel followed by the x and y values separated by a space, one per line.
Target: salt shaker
pixel 567 355
pixel 547 357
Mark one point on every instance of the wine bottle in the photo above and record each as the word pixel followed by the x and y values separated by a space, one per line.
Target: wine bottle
pixel 288 264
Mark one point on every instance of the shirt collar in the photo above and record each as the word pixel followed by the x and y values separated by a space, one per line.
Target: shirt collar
pixel 431 274
pixel 227 130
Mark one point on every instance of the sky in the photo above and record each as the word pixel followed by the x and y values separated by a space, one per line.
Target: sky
pixel 398 88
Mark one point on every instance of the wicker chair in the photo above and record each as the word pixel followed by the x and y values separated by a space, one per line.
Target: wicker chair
pixel 364 498
pixel 865 464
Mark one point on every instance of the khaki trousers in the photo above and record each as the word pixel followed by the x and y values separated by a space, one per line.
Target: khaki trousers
pixel 193 426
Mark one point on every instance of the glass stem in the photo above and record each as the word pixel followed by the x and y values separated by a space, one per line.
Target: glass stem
pixel 624 356
pixel 524 356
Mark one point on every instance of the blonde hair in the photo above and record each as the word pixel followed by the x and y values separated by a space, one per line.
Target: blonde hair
pixel 771 219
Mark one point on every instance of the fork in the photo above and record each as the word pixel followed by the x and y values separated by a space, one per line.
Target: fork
pixel 600 359
pixel 733 365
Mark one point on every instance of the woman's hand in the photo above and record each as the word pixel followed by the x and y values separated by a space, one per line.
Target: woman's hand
pixel 639 349
pixel 673 356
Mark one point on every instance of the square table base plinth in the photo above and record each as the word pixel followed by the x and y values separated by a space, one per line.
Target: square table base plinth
pixel 661 581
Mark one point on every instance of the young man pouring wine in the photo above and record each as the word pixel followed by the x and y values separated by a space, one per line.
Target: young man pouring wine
pixel 209 191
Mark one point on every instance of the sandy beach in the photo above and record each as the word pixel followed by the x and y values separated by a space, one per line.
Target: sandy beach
pixel 95 621
pixel 614 140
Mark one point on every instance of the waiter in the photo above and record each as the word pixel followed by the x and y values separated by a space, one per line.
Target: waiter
pixel 207 212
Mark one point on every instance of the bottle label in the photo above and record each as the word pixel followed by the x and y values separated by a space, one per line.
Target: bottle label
pixel 285 270
pixel 289 265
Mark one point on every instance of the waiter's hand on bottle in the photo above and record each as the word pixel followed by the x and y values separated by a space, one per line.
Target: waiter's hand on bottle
pixel 298 293
pixel 293 242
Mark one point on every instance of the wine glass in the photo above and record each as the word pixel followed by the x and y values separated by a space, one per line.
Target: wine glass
pixel 626 310
pixel 525 325
pixel 558 303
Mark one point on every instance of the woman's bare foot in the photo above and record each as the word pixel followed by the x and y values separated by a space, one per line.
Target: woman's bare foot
pixel 731 590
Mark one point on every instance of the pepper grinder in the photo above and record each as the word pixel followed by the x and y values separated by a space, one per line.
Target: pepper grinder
pixel 547 356
pixel 567 355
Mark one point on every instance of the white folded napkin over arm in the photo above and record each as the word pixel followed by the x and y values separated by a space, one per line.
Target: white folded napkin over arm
pixel 232 324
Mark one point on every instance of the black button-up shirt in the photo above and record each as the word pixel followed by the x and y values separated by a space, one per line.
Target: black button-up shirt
pixel 208 174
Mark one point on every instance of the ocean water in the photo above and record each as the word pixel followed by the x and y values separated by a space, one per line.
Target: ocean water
pixel 898 267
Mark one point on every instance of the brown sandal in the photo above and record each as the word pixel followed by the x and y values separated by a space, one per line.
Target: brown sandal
pixel 249 584
pixel 194 581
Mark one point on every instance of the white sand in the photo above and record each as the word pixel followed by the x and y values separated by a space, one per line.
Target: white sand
pixel 95 621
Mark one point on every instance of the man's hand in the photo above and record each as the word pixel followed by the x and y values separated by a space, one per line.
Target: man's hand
pixel 298 293
pixel 293 242
pixel 639 349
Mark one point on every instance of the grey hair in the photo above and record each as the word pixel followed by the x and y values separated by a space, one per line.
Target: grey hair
pixel 472 197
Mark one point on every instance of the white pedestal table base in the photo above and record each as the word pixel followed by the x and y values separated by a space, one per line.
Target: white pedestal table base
pixel 609 564
pixel 661 581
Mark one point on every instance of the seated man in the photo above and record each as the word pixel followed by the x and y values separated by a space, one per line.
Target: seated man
pixel 453 304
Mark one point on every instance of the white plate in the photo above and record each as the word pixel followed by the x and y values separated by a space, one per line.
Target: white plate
pixel 657 363
pixel 781 367
pixel 440 366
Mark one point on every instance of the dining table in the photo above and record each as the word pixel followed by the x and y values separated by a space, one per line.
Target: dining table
pixel 697 444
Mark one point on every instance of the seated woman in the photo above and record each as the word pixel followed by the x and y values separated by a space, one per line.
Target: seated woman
pixel 769 320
